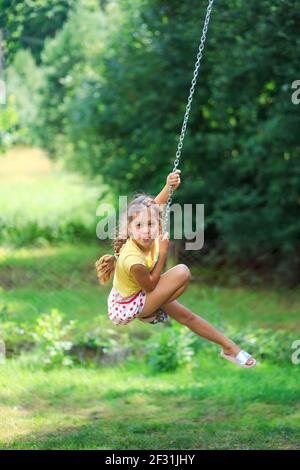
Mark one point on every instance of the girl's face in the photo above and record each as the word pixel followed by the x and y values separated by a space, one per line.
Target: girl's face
pixel 145 227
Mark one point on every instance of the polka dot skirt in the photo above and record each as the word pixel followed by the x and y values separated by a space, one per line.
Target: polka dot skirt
pixel 121 311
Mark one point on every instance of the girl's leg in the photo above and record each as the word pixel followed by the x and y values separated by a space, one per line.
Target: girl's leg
pixel 172 281
pixel 177 294
pixel 201 327
pixel 179 291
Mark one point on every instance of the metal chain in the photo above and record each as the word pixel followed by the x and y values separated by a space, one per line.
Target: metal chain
pixel 188 107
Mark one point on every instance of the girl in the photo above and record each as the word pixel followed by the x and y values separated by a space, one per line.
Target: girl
pixel 140 290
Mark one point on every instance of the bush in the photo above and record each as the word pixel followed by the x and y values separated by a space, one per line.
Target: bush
pixel 170 349
pixel 17 337
pixel 176 346
pixel 36 233
pixel 265 343
pixel 51 337
pixel 101 345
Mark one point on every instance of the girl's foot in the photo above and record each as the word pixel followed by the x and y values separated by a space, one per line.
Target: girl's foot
pixel 231 349
pixel 161 316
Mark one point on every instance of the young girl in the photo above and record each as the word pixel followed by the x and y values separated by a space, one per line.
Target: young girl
pixel 140 289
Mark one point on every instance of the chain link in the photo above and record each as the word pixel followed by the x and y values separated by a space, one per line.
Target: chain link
pixel 188 107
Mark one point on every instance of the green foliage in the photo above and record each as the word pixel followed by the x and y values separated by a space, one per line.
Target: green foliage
pixel 53 207
pixel 18 116
pixel 26 24
pixel 169 349
pixel 101 345
pixel 173 347
pixel 17 336
pixel 36 280
pixel 118 95
pixel 9 124
pixel 265 343
pixel 24 82
pixel 36 233
pixel 69 61
pixel 51 335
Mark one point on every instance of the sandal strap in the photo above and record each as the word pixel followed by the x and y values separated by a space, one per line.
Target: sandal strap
pixel 242 357
pixel 160 317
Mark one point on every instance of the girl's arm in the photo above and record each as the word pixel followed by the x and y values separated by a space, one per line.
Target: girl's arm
pixel 172 179
pixel 148 281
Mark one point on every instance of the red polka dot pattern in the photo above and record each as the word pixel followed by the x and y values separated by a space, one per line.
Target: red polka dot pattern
pixel 123 313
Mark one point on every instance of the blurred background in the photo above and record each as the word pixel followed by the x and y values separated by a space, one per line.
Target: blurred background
pixel 95 96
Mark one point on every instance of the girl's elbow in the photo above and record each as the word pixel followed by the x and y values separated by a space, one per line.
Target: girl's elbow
pixel 150 287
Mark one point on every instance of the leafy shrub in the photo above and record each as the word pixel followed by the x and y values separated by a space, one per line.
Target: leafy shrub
pixel 16 336
pixel 51 337
pixel 105 345
pixel 176 346
pixel 266 343
pixel 169 349
pixel 35 232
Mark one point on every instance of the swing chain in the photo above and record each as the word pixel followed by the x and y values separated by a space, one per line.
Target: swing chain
pixel 188 106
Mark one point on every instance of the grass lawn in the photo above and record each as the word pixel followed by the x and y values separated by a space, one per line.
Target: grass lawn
pixel 32 188
pixel 210 405
pixel 213 405
pixel 63 276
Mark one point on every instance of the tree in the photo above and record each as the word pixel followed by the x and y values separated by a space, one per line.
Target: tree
pixel 121 113
pixel 26 24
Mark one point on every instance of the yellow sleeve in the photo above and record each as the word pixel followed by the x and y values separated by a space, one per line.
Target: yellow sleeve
pixel 132 259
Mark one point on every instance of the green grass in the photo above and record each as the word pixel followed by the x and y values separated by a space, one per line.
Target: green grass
pixel 34 189
pixel 212 406
pixel 63 276
pixel 54 277
pixel 41 202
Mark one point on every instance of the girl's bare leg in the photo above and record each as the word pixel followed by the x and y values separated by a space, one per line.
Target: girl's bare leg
pixel 177 294
pixel 179 291
pixel 170 285
pixel 201 327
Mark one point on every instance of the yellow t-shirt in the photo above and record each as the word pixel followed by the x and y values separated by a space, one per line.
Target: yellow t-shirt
pixel 131 254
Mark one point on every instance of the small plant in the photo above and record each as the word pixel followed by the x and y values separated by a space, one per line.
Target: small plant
pixel 169 349
pixel 16 336
pixel 264 343
pixel 105 345
pixel 51 337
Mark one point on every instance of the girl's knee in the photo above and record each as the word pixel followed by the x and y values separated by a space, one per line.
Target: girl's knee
pixel 184 272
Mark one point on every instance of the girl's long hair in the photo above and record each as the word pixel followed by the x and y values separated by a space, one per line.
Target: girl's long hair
pixel 105 265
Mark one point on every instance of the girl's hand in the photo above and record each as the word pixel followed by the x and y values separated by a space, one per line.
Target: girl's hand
pixel 174 179
pixel 163 241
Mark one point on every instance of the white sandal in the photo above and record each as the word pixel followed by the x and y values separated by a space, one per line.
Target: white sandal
pixel 240 359
pixel 159 316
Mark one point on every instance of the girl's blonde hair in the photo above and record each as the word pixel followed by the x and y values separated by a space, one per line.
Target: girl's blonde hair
pixel 106 264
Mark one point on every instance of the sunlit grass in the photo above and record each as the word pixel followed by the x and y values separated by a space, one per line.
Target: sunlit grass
pixel 34 280
pixel 213 406
pixel 34 189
